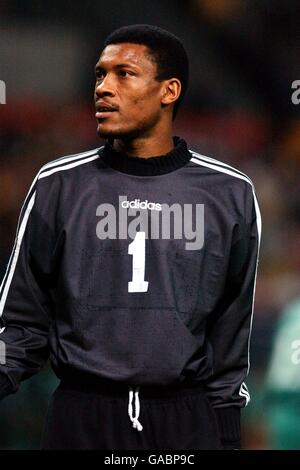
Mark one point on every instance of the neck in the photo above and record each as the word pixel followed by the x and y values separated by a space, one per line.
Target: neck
pixel 145 147
pixel 147 166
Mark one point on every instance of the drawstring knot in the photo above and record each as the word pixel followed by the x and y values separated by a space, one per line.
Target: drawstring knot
pixel 134 419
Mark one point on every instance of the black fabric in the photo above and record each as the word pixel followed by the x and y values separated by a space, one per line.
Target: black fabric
pixel 94 420
pixel 88 383
pixel 229 420
pixel 156 165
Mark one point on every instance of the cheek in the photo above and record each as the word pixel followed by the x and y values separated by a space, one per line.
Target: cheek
pixel 144 106
pixel 144 98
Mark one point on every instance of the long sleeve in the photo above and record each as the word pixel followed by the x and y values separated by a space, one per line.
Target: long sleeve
pixel 25 300
pixel 229 329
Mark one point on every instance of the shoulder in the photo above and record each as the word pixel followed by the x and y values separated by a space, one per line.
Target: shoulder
pixel 219 167
pixel 49 179
pixel 67 163
pixel 239 184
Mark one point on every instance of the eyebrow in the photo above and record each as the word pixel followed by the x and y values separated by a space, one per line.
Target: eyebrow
pixel 118 66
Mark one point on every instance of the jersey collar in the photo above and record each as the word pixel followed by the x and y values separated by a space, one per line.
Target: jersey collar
pixel 156 165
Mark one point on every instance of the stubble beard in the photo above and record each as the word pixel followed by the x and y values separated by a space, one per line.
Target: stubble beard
pixel 143 128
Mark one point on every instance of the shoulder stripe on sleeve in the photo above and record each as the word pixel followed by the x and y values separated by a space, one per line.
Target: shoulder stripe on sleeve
pixel 224 168
pixel 69 158
pixel 218 163
pixel 14 256
pixel 47 169
pixel 53 164
pixel 230 171
pixel 65 166
pixel 259 227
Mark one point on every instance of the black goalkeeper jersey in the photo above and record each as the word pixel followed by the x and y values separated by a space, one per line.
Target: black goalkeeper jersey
pixel 138 271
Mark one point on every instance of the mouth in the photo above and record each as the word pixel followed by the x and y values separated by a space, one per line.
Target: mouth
pixel 104 111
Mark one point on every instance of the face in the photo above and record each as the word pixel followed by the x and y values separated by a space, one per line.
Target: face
pixel 128 98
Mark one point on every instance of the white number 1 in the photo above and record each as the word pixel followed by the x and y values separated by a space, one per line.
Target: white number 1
pixel 137 249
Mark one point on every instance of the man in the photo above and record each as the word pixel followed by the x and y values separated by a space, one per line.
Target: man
pixel 134 269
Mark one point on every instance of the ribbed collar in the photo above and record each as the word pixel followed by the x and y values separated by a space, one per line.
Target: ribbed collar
pixel 151 166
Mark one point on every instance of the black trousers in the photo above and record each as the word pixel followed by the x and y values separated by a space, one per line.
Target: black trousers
pixel 85 417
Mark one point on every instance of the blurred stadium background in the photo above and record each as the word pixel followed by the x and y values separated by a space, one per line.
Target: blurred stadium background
pixel 244 56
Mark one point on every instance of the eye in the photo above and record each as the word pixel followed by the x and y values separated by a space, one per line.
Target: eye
pixel 125 73
pixel 99 74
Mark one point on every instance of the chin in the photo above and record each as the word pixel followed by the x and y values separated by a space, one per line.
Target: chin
pixel 106 133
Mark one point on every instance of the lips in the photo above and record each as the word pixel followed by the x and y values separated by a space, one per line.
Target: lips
pixel 103 114
pixel 104 110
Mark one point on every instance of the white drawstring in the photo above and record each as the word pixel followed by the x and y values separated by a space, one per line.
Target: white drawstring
pixel 134 419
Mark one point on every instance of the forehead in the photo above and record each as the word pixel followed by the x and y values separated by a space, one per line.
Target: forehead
pixel 135 54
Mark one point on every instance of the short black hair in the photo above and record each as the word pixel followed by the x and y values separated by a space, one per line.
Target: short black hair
pixel 166 49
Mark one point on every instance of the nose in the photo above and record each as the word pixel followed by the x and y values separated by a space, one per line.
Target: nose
pixel 105 87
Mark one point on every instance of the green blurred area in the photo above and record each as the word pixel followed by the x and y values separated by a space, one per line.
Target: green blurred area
pixel 272 420
pixel 22 414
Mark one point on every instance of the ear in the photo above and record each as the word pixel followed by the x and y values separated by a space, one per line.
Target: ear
pixel 171 91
